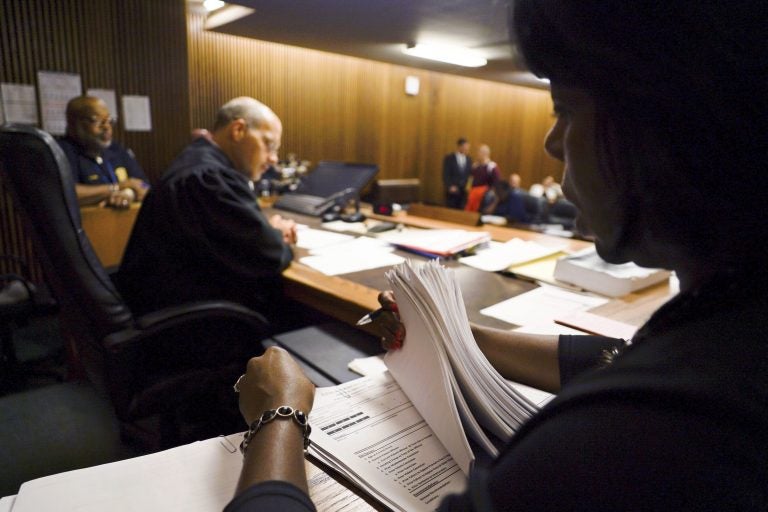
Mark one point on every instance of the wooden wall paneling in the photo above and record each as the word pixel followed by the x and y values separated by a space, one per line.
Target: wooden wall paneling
pixel 335 107
pixel 131 46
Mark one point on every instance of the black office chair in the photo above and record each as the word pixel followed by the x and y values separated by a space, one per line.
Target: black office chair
pixel 20 301
pixel 161 365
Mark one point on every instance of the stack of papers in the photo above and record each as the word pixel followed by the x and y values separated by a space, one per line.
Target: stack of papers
pixel 498 257
pixel 589 271
pixel 436 242
pixel 443 371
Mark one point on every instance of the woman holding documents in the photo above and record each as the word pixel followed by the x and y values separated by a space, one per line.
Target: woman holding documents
pixel 653 101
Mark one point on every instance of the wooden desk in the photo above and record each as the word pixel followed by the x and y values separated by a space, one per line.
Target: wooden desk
pixel 350 296
pixel 109 229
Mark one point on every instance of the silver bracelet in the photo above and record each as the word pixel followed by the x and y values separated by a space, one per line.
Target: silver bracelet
pixel 282 412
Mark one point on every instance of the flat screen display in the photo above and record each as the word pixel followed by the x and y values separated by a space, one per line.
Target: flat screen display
pixel 331 177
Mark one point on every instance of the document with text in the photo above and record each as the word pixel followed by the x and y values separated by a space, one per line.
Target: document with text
pixel 369 431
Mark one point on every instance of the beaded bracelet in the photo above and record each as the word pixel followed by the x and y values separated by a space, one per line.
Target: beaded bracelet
pixel 282 412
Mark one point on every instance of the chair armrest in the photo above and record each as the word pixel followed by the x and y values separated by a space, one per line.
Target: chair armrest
pixel 168 319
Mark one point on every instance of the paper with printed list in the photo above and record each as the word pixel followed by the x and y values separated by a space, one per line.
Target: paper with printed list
pixel 369 431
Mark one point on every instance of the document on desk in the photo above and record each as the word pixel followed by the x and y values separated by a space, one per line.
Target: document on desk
pixel 541 305
pixel 369 431
pixel 500 257
pixel 439 242
pixel 309 238
pixel 353 255
pixel 197 477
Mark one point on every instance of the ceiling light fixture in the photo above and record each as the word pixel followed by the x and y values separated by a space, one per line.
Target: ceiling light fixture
pixel 212 5
pixel 450 54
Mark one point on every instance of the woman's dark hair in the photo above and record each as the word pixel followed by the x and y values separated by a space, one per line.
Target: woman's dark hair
pixel 680 96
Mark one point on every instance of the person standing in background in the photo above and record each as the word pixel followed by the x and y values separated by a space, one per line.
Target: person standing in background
pixel 456 171
pixel 485 174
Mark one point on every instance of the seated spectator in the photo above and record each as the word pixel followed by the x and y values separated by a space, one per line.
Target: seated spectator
pixel 485 172
pixel 200 234
pixel 502 201
pixel 515 181
pixel 103 171
pixel 548 188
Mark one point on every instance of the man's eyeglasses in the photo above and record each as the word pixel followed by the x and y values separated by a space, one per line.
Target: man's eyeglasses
pixel 100 121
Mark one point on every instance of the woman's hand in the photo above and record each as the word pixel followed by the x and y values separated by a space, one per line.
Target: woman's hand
pixel 272 380
pixel 389 323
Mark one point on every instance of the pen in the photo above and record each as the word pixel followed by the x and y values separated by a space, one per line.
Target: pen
pixel 370 317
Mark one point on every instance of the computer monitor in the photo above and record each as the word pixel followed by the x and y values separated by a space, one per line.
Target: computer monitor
pixel 331 177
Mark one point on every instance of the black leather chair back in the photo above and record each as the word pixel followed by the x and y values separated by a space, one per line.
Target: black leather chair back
pixel 37 173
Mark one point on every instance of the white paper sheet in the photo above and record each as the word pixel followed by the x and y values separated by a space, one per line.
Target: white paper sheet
pixel 361 246
pixel 541 305
pixel 56 89
pixel 6 503
pixel 502 256
pixel 308 238
pixel 137 116
pixel 546 328
pixel 197 477
pixel 337 263
pixel 349 227
pixel 108 97
pixel 19 103
pixel 370 431
pixel 367 365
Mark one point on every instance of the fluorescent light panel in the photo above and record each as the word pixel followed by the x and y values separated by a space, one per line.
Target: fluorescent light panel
pixel 457 55
pixel 212 5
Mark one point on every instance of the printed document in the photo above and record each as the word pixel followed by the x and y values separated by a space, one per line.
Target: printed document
pixel 369 431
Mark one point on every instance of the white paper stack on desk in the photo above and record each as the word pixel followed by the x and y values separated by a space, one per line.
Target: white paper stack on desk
pixel 588 270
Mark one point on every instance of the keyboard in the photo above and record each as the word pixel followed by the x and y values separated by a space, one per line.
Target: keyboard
pixel 303 203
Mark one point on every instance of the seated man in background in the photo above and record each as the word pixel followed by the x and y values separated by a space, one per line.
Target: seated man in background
pixel 103 171
pixel 548 188
pixel 503 201
pixel 200 234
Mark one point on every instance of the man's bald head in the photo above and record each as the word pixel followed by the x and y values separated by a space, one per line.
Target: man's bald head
pixel 249 133
pixel 254 112
pixel 89 123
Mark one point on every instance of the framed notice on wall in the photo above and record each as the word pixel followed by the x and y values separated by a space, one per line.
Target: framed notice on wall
pixel 56 89
pixel 137 116
pixel 19 103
